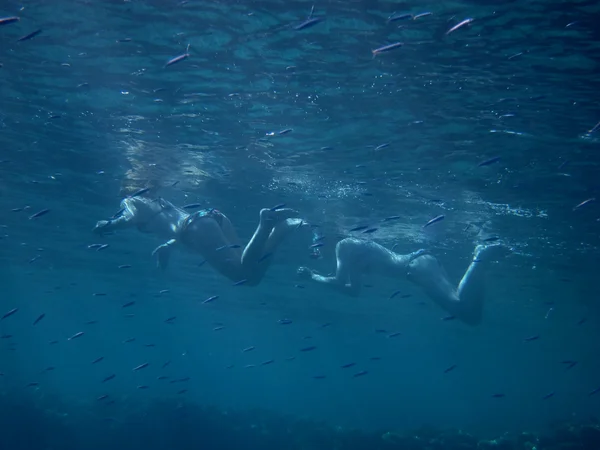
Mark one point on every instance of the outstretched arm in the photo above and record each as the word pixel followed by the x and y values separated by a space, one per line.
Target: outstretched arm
pixel 338 283
pixel 125 220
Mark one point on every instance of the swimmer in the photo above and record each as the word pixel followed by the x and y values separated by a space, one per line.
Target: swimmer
pixel 209 233
pixel 356 257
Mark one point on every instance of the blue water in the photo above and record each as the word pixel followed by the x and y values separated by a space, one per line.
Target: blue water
pixel 90 113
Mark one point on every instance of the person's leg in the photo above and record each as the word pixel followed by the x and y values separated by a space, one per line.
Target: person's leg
pixel 347 277
pixel 255 256
pixel 466 301
pixel 210 236
pixel 278 234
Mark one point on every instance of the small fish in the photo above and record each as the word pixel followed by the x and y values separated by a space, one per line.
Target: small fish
pixel 434 220
pixel 397 333
pixel 595 391
pixel 450 369
pixel 183 391
pixel 308 349
pixel 128 304
pixel 178 58
pixel 548 395
pixel 166 364
pixel 491 239
pixel 125 266
pixel 423 14
pixel 387 219
pixel 381 146
pixel 9 313
pixel 162 377
pixel 29 36
pixel 531 338
pixel 8 20
pixel 164 291
pixel 448 318
pixel 286 131
pixel 360 374
pixel 398 17
pixel 218 328
pixel 108 378
pixel 596 127
pixel 346 366
pixel 265 256
pixel 76 335
pixel 210 299
pixel 140 192
pixel 375 358
pixel 284 321
pixel 41 213
pixel 370 230
pixel 248 349
pixel 180 380
pixel 102 397
pixel 32 384
pixel 126 341
pixel 267 362
pixel 140 367
pixel 192 206
pixel 277 207
pixel 223 247
pixel 97 360
pixel 583 203
pixel 239 283
pixel 459 25
pixel 498 395
pixel 487 162
pixel 170 319
pixel 308 23
pixel 143 386
pixel 582 321
pixel 359 228
pixel 317 245
pixel 201 263
pixel 40 317
pixel 386 48
pixel 102 247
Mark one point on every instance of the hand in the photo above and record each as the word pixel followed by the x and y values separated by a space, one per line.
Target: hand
pixel 304 273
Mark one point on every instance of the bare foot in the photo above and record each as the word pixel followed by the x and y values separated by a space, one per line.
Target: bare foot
pixel 279 215
pixel 492 252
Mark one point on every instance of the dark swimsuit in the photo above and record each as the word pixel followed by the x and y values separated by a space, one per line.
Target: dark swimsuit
pixel 210 212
